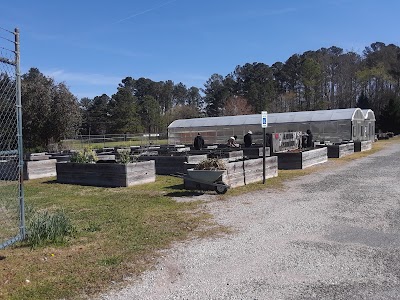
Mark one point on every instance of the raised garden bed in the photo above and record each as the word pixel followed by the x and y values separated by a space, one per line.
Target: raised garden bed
pixel 255 152
pixel 36 156
pixel 61 157
pixel 106 174
pixel 298 159
pixel 338 150
pixel 34 169
pixel 166 165
pixel 362 146
pixel 232 154
pixel 240 173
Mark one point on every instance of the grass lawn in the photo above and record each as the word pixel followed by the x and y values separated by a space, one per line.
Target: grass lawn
pixel 119 232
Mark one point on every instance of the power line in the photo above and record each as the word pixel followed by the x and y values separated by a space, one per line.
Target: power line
pixel 7 30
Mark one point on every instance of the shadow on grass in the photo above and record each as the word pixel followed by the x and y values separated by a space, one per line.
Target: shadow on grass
pixel 178 190
pixel 184 193
pixel 51 181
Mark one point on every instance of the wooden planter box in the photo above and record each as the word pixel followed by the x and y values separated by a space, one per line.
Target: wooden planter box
pixel 255 152
pixel 362 146
pixel 337 151
pixel 106 174
pixel 166 165
pixel 39 169
pixel 61 157
pixel 36 156
pixel 229 153
pixel 240 173
pixel 301 160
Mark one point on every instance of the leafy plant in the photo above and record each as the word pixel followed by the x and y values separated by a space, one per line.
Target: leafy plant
pixel 124 156
pixel 88 155
pixel 45 227
pixel 211 164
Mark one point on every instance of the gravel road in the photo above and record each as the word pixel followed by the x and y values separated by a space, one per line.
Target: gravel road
pixel 333 234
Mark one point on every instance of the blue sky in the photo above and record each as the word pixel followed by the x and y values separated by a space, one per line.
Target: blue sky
pixel 92 45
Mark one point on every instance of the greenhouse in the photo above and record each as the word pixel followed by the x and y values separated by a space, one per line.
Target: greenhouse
pixel 336 125
pixel 369 125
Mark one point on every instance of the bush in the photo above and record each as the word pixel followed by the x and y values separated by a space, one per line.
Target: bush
pixel 85 156
pixel 45 227
pixel 124 157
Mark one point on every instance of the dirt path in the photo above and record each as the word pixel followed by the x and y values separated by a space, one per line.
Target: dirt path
pixel 334 234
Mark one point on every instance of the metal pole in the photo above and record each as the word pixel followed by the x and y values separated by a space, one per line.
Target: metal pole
pixel 264 155
pixel 19 135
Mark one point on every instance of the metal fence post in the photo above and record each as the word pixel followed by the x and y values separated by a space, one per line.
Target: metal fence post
pixel 19 134
pixel 12 206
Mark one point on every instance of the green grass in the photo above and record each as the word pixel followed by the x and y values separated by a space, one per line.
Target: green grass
pixel 119 232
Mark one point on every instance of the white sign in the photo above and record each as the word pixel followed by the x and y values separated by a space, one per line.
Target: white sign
pixel 264 122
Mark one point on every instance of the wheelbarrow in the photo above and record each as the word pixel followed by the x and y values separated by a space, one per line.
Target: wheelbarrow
pixel 205 179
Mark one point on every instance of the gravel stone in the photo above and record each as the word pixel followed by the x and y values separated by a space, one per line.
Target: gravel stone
pixel 333 234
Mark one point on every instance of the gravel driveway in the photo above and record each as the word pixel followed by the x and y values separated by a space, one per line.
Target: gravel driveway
pixel 334 234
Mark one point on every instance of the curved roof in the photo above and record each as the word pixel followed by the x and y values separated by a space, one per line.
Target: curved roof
pixel 276 118
pixel 369 114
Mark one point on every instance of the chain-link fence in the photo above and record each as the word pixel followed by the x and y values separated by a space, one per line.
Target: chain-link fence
pixel 12 222
pixel 112 140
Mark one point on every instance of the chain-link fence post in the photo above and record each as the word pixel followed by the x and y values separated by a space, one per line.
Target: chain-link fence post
pixel 12 212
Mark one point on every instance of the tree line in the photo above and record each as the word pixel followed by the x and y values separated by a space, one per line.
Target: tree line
pixel 328 78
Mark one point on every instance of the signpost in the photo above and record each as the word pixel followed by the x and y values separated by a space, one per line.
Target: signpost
pixel 264 124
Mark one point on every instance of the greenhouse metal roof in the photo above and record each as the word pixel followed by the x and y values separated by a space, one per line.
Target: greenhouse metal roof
pixel 275 118
pixel 369 114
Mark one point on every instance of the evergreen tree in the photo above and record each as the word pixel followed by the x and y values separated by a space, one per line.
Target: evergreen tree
pixel 363 101
pixel 389 119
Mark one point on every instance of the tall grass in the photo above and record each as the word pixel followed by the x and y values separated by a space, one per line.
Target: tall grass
pixel 46 228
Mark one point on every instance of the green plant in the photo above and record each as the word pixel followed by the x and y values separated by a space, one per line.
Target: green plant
pixel 124 156
pixel 211 164
pixel 87 155
pixel 45 228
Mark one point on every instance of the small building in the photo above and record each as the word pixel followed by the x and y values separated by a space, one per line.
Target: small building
pixel 336 125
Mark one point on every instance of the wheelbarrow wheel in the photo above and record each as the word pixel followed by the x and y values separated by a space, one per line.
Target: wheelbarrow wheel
pixel 221 187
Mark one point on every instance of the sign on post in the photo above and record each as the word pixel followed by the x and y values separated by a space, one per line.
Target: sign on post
pixel 264 122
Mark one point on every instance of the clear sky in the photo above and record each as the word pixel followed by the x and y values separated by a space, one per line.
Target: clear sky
pixel 92 45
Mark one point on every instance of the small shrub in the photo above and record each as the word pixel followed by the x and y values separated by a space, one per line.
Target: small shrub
pixel 211 164
pixel 124 157
pixel 85 156
pixel 44 228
